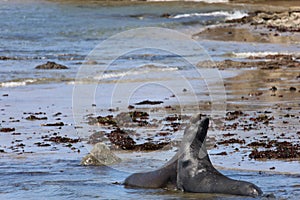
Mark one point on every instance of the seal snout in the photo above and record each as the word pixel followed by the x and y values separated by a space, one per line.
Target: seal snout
pixel 253 191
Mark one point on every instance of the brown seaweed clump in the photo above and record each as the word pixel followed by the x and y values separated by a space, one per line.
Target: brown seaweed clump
pixel 232 141
pixel 7 130
pixel 150 146
pixel 106 120
pixel 60 139
pixel 283 150
pixel 122 140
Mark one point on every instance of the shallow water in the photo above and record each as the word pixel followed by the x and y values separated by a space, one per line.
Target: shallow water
pixel 60 176
pixel 34 32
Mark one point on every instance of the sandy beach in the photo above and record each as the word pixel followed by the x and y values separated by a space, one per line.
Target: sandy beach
pixel 246 82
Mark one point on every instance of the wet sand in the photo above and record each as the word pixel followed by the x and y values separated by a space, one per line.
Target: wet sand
pixel 62 159
pixel 39 137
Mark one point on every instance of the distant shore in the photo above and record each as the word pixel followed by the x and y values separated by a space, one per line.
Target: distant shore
pixel 264 24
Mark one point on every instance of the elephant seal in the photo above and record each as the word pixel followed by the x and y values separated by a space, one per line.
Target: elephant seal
pixel 195 172
pixel 191 170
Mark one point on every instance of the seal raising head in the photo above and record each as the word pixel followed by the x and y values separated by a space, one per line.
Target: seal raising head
pixel 195 172
pixel 191 170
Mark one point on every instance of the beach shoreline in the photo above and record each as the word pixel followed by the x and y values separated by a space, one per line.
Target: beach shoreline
pixel 42 144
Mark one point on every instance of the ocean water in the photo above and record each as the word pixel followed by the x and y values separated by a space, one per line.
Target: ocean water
pixel 74 33
pixel 34 32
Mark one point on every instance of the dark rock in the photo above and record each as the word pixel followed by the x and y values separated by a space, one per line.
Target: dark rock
pixel 293 89
pixel 51 65
pixel 8 58
pixel 224 153
pixel 229 134
pixel 130 107
pixel 273 88
pixel 41 144
pixel 57 114
pixel 148 102
pixel 54 124
pixel 32 118
pixel 166 15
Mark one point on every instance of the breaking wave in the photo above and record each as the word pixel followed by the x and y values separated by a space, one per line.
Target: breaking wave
pixel 260 54
pixel 17 83
pixel 137 71
pixel 227 14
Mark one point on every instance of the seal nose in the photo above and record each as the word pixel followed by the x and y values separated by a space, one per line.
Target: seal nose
pixel 255 191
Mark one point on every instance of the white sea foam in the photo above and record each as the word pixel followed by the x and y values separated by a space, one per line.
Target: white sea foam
pixel 260 54
pixel 17 83
pixel 138 71
pixel 227 14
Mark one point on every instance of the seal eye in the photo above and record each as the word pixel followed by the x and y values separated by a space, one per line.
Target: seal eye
pixel 185 163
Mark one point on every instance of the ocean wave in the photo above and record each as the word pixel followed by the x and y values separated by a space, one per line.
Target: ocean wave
pixel 137 71
pixel 259 54
pixel 30 81
pixel 17 83
pixel 228 15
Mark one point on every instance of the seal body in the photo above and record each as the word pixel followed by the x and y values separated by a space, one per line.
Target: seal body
pixel 191 170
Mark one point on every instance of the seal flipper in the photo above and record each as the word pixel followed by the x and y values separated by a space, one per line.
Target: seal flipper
pixel 154 179
pixel 195 172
